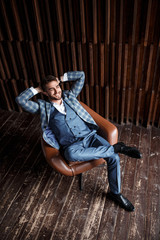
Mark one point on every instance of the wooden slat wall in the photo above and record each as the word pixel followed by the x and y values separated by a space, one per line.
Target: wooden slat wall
pixel 115 42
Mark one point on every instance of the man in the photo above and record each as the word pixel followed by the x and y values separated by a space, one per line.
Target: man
pixel 67 125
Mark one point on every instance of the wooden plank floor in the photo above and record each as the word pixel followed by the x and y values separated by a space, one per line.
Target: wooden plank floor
pixel 38 203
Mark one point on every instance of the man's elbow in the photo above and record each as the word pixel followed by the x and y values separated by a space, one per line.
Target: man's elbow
pixel 17 100
pixel 82 74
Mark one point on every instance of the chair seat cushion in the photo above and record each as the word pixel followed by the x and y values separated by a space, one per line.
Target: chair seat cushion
pixel 92 162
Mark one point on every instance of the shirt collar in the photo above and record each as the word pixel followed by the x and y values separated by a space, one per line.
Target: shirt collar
pixel 55 104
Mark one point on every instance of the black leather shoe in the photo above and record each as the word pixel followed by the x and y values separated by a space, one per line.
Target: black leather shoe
pixel 129 151
pixel 122 201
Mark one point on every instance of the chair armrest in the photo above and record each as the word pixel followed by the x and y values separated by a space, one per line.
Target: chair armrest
pixel 55 159
pixel 107 130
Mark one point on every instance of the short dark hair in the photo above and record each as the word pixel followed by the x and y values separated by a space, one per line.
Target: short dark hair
pixel 47 79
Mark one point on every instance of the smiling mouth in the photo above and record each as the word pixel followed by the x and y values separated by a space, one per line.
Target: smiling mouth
pixel 58 95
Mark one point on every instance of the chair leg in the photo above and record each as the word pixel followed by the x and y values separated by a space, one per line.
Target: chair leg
pixel 81 181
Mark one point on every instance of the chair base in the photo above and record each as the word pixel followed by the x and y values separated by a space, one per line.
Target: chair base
pixel 80 181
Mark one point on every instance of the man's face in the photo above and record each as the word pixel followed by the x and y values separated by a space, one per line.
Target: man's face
pixel 53 90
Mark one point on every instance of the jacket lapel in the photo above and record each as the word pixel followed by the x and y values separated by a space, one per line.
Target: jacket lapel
pixel 76 106
pixel 48 110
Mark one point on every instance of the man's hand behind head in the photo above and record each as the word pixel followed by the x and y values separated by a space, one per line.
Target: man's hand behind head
pixel 39 89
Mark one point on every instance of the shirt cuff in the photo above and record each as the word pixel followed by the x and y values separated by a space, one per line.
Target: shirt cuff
pixel 34 90
pixel 65 77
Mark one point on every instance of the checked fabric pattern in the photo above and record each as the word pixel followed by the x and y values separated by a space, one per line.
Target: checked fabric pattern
pixel 69 96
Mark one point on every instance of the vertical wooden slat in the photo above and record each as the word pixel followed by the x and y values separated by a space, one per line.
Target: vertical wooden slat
pixel 112 81
pixel 95 21
pixel 71 21
pixel 125 66
pixel 59 20
pixel 20 53
pixel 123 105
pixel 120 56
pixel 102 64
pixel 135 80
pixel 3 75
pixel 34 58
pixel 80 67
pixel 124 84
pixel 87 95
pixel 38 20
pixel 83 25
pixel 155 109
pixel 7 24
pixel 1 35
pixel 128 105
pixel 49 18
pixel 74 59
pixel 106 63
pixel 17 20
pixel 12 57
pixel 150 108
pixel 53 57
pixel 80 60
pixel 48 56
pixel 147 23
pixel 119 79
pixel 96 63
pixel 69 56
pixel 39 56
pixel 138 106
pixel 156 103
pixel 107 22
pixel 149 68
pixel 91 64
pixel 107 102
pixel 27 20
pixel 60 66
pixel 98 102
pixel 132 60
pixel 5 62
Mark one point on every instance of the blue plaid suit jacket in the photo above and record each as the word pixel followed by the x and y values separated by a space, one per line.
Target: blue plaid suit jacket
pixel 43 108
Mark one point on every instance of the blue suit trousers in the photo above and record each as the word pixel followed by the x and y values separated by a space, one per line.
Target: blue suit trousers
pixel 95 147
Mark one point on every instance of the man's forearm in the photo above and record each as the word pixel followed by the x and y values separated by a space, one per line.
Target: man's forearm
pixel 78 77
pixel 24 100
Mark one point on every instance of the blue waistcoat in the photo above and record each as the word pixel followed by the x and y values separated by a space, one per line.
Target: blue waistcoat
pixel 68 128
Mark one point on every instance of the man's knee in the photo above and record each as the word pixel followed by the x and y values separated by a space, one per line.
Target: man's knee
pixel 69 154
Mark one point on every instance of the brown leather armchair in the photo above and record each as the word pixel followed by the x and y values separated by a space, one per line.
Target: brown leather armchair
pixel 58 163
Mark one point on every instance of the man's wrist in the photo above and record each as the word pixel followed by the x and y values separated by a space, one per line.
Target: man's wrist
pixel 34 90
pixel 64 78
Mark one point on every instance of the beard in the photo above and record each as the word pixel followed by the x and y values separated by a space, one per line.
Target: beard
pixel 58 97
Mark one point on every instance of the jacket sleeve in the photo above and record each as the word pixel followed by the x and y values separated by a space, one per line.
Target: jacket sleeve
pixel 78 77
pixel 25 103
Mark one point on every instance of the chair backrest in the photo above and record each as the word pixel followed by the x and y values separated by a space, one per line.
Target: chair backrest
pixel 106 129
